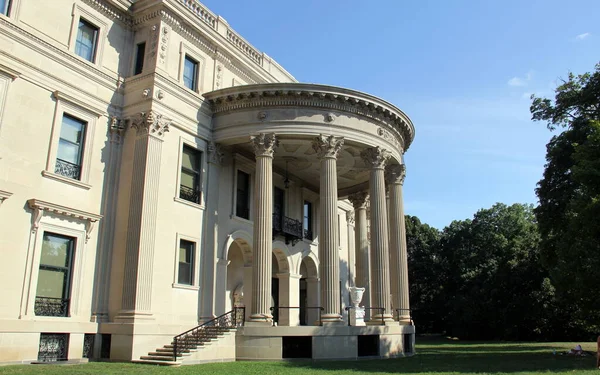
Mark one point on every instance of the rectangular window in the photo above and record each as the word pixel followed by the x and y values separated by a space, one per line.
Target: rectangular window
pixel 189 187
pixel 87 39
pixel 242 206
pixel 54 279
pixel 186 263
pixel 307 220
pixel 278 209
pixel 5 7
pixel 53 347
pixel 190 73
pixel 139 58
pixel 70 147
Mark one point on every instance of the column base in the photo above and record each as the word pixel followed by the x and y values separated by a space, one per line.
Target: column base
pixel 378 320
pixel 260 318
pixel 331 319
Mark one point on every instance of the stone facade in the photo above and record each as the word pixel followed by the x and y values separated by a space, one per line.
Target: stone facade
pixel 157 170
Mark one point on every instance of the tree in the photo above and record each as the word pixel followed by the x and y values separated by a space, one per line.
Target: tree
pixel 494 285
pixel 569 194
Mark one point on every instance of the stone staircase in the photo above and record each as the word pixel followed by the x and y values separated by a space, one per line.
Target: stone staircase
pixel 213 341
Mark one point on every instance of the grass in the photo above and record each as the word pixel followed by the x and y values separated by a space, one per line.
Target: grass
pixel 439 357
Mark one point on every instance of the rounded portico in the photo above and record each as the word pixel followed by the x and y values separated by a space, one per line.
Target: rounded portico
pixel 342 144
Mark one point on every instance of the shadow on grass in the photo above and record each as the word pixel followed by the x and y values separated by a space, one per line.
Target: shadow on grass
pixel 460 357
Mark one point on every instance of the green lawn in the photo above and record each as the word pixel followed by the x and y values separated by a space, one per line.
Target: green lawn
pixel 437 357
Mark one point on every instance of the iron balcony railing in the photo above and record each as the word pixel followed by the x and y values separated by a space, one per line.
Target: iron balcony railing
pixel 46 306
pixel 190 339
pixel 70 170
pixel 189 194
pixel 290 228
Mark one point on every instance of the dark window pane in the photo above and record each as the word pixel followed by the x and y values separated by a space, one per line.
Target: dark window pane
pixel 139 58
pixel 186 263
pixel 4 7
pixel 190 73
pixel 190 175
pixel 243 195
pixel 85 44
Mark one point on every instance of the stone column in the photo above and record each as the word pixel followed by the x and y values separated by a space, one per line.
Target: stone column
pixel 398 254
pixel 289 295
pixel 376 158
pixel 361 245
pixel 327 148
pixel 350 220
pixel 210 245
pixel 136 300
pixel 262 243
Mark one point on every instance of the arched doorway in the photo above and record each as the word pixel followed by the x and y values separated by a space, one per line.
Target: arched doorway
pixel 309 292
pixel 238 283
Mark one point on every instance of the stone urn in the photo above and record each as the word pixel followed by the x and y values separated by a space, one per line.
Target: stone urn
pixel 357 313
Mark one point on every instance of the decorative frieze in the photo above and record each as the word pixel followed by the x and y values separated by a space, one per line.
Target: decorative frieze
pixel 388 136
pixel 150 123
pixel 264 144
pixel 327 146
pixel 375 157
pixel 350 217
pixel 215 153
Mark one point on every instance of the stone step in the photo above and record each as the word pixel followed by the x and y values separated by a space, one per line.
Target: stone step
pixel 158 357
pixel 165 354
pixel 160 363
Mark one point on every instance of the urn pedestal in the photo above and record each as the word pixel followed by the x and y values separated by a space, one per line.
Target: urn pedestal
pixel 357 313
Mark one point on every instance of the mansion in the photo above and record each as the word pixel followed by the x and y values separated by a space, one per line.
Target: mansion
pixel 169 194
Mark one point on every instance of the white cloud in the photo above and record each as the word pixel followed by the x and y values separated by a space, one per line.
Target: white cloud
pixel 516 81
pixel 519 82
pixel 582 36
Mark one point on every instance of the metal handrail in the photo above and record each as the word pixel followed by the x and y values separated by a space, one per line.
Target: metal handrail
pixel 409 315
pixel 229 320
pixel 319 309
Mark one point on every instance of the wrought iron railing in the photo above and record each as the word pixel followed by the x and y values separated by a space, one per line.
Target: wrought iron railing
pixel 399 314
pixel 189 194
pixel 46 306
pixel 308 234
pixel 381 311
pixel 292 227
pixel 53 347
pixel 276 221
pixel 70 170
pixel 88 345
pixel 275 310
pixel 196 336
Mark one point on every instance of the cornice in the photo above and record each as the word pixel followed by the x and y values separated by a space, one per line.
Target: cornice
pixel 319 97
pixel 115 11
pixel 39 207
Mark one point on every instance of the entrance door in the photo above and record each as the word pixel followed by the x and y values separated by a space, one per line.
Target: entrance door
pixel 303 302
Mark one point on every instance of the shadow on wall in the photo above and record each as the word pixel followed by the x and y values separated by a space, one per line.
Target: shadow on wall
pixel 443 356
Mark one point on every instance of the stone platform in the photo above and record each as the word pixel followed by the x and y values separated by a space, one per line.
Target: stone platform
pixel 324 343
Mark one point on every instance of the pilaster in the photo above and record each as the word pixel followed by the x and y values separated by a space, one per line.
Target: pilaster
pixel 136 301
pixel 327 148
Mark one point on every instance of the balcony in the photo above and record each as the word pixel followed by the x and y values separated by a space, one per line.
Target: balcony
pixel 46 306
pixel 70 170
pixel 289 228
pixel 189 194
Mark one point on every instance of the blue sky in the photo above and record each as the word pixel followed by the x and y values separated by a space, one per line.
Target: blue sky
pixel 462 70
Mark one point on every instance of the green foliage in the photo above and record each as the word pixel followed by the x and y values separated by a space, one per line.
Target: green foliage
pixel 569 195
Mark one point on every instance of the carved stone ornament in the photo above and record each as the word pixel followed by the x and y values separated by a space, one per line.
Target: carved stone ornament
pixel 395 174
pixel 375 157
pixel 116 129
pixel 264 144
pixel 262 115
pixel 329 117
pixel 359 200
pixel 215 153
pixel 350 217
pixel 327 146
pixel 150 123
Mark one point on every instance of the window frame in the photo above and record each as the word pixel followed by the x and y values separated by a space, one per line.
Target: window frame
pixel 8 6
pixel 185 50
pixel 195 266
pixel 80 145
pixel 312 197
pixel 79 13
pixel 198 174
pixel 79 110
pixel 248 195
pixel 94 40
pixel 136 60
pixel 309 220
pixel 200 146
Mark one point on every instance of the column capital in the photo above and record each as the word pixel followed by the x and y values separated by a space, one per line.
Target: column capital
pixel 395 174
pixel 150 123
pixel 327 146
pixel 375 157
pixel 359 200
pixel 215 153
pixel 264 144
